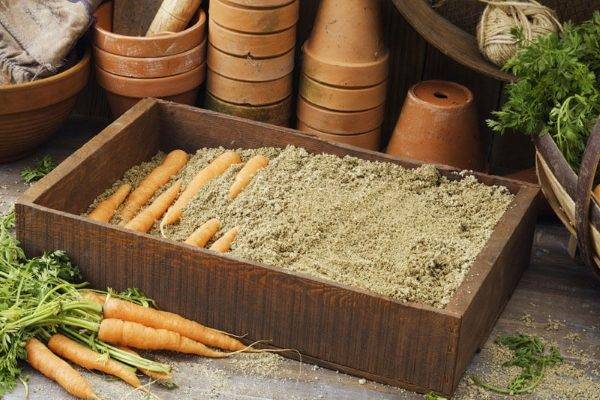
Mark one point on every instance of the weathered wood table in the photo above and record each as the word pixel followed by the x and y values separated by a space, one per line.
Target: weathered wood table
pixel 557 299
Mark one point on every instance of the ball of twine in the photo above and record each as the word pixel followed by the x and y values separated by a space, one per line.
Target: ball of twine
pixel 495 29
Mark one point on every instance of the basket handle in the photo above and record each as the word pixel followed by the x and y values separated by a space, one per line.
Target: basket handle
pixel 587 173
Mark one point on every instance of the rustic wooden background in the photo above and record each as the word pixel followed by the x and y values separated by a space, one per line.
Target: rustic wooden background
pixel 412 60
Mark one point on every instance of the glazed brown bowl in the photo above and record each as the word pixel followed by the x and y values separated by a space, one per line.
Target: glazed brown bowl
pixel 142 46
pixel 31 112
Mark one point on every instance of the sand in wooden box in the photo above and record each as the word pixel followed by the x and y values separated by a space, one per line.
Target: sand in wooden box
pixel 406 344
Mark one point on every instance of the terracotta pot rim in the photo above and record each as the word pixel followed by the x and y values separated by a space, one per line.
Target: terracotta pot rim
pixel 78 72
pixel 243 36
pixel 339 122
pixel 209 69
pixel 340 113
pixel 376 130
pixel 239 4
pixel 172 85
pixel 249 107
pixel 249 72
pixel 251 26
pixel 123 61
pixel 354 99
pixel 197 26
pixel 347 74
pixel 257 93
pixel 468 103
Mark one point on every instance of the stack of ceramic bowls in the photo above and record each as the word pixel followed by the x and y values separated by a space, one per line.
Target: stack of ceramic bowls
pixel 251 58
pixel 170 66
pixel 344 74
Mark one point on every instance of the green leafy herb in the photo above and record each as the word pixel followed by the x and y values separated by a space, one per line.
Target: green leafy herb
pixel 433 396
pixel 41 169
pixel 529 353
pixel 557 91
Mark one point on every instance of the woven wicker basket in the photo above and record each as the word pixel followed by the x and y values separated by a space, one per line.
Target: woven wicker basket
pixel 570 195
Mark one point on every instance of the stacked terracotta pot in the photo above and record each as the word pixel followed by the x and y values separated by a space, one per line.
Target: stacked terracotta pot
pixel 344 73
pixel 251 58
pixel 170 66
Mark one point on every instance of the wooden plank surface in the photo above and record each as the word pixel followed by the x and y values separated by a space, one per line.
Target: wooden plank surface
pixel 554 287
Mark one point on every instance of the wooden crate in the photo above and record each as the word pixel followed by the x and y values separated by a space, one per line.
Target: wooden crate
pixel 410 345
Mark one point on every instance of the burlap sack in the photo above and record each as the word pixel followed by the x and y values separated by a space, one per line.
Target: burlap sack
pixel 37 35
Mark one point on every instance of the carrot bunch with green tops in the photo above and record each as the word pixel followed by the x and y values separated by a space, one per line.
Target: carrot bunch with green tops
pixel 47 317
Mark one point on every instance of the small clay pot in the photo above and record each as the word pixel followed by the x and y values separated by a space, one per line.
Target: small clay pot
pixel 251 45
pixel 123 92
pixel 142 46
pixel 346 46
pixel 31 112
pixel 339 122
pixel 250 69
pixel 150 67
pixel 369 140
pixel 275 114
pixel 254 20
pixel 438 124
pixel 342 99
pixel 249 93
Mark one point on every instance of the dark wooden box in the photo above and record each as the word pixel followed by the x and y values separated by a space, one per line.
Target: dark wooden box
pixel 403 344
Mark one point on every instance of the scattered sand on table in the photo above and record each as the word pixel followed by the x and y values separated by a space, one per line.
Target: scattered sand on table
pixel 408 234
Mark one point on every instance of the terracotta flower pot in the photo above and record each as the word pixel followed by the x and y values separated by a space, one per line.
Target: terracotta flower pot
pixel 123 92
pixel 260 3
pixel 254 20
pixel 438 124
pixel 369 140
pixel 342 99
pixel 141 46
pixel 338 122
pixel 346 47
pixel 31 112
pixel 276 114
pixel 251 45
pixel 150 67
pixel 249 93
pixel 250 69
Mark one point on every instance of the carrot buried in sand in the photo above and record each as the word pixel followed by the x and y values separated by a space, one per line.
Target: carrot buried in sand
pixel 173 163
pixel 128 311
pixel 147 217
pixel 246 174
pixel 138 336
pixel 107 208
pixel 204 233
pixel 224 243
pixel 216 168
pixel 55 368
pixel 89 359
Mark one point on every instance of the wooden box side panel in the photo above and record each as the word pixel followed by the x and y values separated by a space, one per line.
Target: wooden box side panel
pixel 365 335
pixel 128 141
pixel 493 278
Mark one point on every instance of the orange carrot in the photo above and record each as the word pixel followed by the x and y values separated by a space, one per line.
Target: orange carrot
pixel 224 243
pixel 146 218
pixel 159 376
pixel 55 368
pixel 172 164
pixel 138 336
pixel 107 208
pixel 93 296
pixel 127 311
pixel 597 192
pixel 217 167
pixel 89 359
pixel 204 233
pixel 246 174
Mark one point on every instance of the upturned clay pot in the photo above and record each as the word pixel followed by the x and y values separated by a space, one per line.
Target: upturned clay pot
pixel 254 20
pixel 338 122
pixel 369 140
pixel 342 99
pixel 251 45
pixel 150 67
pixel 249 93
pixel 438 124
pixel 31 112
pixel 250 69
pixel 276 114
pixel 123 92
pixel 141 46
pixel 346 47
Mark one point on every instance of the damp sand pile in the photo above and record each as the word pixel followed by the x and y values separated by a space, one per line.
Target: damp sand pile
pixel 408 234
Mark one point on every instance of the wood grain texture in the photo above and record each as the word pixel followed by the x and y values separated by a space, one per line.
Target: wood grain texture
pixel 403 344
